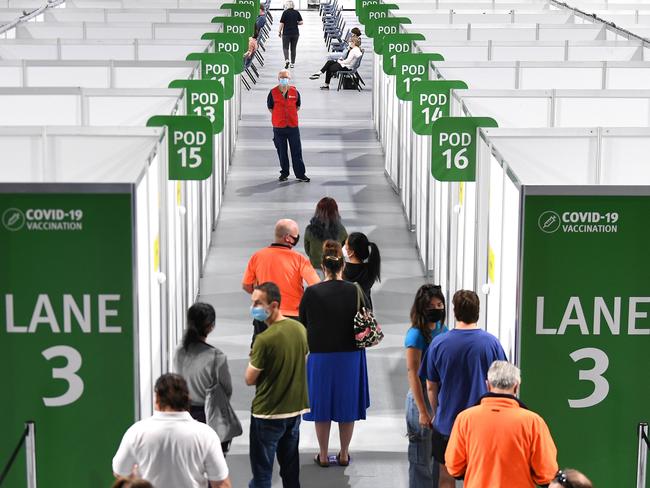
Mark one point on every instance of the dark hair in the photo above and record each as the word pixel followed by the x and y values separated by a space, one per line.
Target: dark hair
pixel 271 291
pixel 326 220
pixel 466 306
pixel 200 318
pixel 171 391
pixel 356 31
pixel 332 261
pixel 364 249
pixel 421 304
pixel 122 482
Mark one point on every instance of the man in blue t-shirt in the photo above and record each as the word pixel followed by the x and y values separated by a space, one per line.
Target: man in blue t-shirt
pixel 456 366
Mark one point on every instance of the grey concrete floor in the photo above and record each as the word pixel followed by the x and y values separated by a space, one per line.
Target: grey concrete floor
pixel 345 161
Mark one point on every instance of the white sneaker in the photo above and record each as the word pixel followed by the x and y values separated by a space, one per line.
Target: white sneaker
pixel 315 76
pixel 292 65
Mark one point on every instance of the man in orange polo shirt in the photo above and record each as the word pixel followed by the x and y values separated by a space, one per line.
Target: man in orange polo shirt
pixel 280 264
pixel 499 442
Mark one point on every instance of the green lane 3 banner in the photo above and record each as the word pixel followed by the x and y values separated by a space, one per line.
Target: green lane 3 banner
pixel 217 66
pixel 431 100
pixel 395 45
pixel 454 143
pixel 411 69
pixel 585 327
pixel 189 145
pixel 204 97
pixel 66 330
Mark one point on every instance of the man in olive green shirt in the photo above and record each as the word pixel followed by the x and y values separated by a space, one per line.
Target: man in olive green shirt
pixel 277 369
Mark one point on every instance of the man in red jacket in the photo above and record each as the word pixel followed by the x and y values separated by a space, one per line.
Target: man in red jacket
pixel 284 102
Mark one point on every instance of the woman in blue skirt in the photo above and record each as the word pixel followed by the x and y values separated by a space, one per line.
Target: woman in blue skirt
pixel 337 374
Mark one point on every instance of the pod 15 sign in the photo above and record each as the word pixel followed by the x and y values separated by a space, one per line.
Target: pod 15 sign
pixel 190 145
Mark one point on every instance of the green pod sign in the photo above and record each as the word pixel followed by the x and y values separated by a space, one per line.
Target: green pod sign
pixel 394 45
pixel 189 145
pixel 242 11
pixel 67 334
pixel 431 100
pixel 412 69
pixel 233 44
pixel 378 30
pixel 376 12
pixel 454 141
pixel 203 97
pixel 217 66
pixel 362 5
pixel 235 25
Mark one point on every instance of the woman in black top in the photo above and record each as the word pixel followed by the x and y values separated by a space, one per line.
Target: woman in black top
pixel 289 32
pixel 325 224
pixel 364 262
pixel 337 374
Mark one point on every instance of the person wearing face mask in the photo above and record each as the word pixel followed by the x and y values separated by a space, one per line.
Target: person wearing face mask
pixel 337 374
pixel 284 102
pixel 331 66
pixel 281 264
pixel 363 262
pixel 427 322
pixel 277 369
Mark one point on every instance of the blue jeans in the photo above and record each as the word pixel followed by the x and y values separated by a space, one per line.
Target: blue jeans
pixel 291 136
pixel 271 437
pixel 423 470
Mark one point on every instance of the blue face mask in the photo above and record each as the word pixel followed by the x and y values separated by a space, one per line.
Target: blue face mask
pixel 259 313
pixel 284 81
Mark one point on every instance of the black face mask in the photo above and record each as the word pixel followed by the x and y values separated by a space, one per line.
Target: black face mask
pixel 295 239
pixel 434 315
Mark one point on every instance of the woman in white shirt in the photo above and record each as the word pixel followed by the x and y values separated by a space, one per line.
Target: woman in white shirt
pixel 346 64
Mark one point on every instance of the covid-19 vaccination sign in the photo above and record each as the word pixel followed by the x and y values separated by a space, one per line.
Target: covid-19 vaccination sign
pixel 66 331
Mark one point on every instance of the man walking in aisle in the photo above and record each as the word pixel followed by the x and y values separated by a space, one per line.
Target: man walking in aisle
pixel 284 102
pixel 278 371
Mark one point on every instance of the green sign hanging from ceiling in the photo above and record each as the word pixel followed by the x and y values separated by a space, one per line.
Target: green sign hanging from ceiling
pixel 375 12
pixel 395 45
pixel 585 325
pixel 217 66
pixel 384 27
pixel 204 97
pixel 411 69
pixel 234 44
pixel 431 100
pixel 189 145
pixel 454 143
pixel 235 25
pixel 66 328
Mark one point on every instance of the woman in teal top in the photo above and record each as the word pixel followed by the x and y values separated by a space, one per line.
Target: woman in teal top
pixel 427 321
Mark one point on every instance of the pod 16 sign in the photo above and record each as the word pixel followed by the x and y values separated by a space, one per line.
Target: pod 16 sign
pixel 412 68
pixel 190 145
pixel 453 147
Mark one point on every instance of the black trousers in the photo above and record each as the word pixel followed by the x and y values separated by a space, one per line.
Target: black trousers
pixel 291 136
pixel 198 413
pixel 290 42
pixel 330 68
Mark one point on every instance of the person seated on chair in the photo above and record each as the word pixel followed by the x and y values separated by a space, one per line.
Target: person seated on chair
pixel 343 54
pixel 252 47
pixel 346 64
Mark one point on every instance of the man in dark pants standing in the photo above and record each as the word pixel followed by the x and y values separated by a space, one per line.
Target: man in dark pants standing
pixel 284 102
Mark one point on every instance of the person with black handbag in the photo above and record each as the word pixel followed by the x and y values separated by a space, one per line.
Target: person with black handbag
pixel 205 368
pixel 337 373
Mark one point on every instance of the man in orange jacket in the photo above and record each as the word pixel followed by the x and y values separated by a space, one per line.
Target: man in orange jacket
pixel 499 442
pixel 284 102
